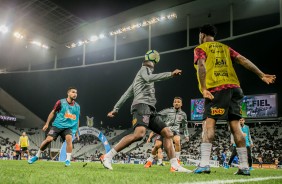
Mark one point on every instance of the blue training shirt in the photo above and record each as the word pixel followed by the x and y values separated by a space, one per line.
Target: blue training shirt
pixel 68 116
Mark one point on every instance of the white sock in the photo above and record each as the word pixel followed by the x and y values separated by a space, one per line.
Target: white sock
pixel 160 161
pixel 205 154
pixel 38 153
pixel 68 156
pixel 242 154
pixel 111 153
pixel 177 155
pixel 174 163
pixel 151 158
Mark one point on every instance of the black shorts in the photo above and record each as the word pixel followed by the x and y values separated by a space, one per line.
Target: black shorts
pixel 24 149
pixel 145 115
pixel 55 132
pixel 160 138
pixel 225 105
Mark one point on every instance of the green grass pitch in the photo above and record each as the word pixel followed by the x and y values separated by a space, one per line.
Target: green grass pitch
pixel 55 172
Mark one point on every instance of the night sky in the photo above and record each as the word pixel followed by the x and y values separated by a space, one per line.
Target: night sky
pixel 98 9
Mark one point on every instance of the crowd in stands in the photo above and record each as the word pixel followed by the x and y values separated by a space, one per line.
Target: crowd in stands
pixel 267 140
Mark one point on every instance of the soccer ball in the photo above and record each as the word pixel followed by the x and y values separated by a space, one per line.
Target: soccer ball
pixel 152 55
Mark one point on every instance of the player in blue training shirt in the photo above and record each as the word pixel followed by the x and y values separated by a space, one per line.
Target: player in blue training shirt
pixel 66 124
pixel 249 144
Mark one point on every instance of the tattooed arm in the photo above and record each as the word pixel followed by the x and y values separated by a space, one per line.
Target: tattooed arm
pixel 268 79
pixel 202 78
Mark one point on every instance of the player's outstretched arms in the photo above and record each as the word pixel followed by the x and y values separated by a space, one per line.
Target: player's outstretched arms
pixel 176 72
pixel 112 114
pixel 268 79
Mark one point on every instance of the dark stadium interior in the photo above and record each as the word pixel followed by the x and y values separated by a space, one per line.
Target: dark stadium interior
pixel 100 86
pixel 98 46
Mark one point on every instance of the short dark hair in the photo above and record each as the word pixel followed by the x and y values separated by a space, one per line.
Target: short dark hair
pixel 70 88
pixel 208 29
pixel 177 97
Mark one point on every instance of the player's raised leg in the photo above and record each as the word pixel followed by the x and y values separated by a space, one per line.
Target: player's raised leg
pixel 43 146
pixel 138 134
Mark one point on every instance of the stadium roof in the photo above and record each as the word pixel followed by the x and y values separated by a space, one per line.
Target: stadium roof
pixel 58 22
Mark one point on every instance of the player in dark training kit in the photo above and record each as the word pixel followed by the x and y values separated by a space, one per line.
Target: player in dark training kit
pixel 144 114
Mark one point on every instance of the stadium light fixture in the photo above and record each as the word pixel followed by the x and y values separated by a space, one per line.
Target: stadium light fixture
pixel 144 23
pixel 91 39
pixel 18 35
pixel 3 29
pixel 94 38
pixel 37 43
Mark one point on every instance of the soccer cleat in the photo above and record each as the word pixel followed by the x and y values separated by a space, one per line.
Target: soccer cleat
pixel 107 162
pixel 206 169
pixel 162 164
pixel 32 160
pixel 243 171
pixel 251 169
pixel 148 164
pixel 67 163
pixel 226 167
pixel 179 162
pixel 180 169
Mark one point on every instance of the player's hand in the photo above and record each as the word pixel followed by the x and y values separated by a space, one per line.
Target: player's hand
pixel 268 79
pixel 77 137
pixel 187 139
pixel 176 72
pixel 207 94
pixel 45 128
pixel 149 140
pixel 252 145
pixel 112 114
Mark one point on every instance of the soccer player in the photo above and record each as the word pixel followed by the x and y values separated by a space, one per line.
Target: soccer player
pixel 260 161
pixel 24 143
pixel 173 117
pixel 144 114
pixel 249 144
pixel 220 87
pixel 18 151
pixel 66 124
pixel 159 151
pixel 223 157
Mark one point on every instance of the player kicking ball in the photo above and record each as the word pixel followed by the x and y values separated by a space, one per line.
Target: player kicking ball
pixel 66 123
pixel 144 112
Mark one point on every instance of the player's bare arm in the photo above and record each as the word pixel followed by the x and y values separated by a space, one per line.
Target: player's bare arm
pixel 268 79
pixel 112 114
pixel 49 119
pixel 150 136
pixel 202 76
pixel 176 72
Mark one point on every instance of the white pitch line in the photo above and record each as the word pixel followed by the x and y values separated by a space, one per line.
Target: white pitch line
pixel 234 181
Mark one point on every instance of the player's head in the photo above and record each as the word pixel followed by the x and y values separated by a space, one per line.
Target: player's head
pixel 72 93
pixel 177 102
pixel 148 63
pixel 24 134
pixel 207 31
pixel 242 121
